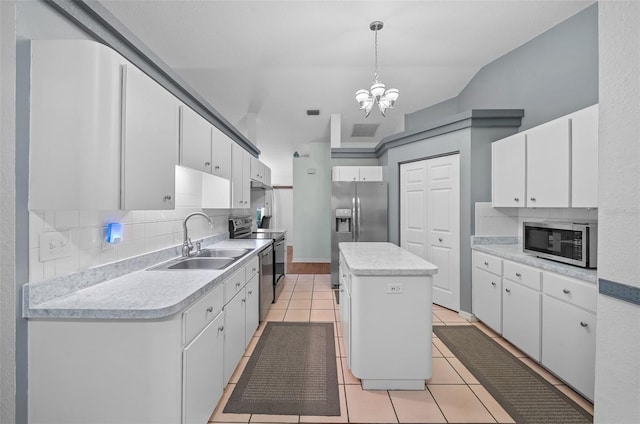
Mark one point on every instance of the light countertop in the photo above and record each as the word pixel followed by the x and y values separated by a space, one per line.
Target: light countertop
pixel 371 258
pixel 142 294
pixel 513 252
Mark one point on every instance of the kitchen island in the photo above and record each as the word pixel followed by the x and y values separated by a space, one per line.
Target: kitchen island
pixel 385 310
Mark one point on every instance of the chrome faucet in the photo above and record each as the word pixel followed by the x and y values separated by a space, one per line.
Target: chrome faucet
pixel 187 246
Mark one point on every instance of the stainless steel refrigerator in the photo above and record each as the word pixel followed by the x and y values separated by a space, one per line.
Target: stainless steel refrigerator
pixel 358 213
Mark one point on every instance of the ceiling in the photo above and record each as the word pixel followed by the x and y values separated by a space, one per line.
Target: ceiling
pixel 262 64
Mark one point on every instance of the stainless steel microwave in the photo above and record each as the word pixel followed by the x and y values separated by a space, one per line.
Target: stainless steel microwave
pixel 568 242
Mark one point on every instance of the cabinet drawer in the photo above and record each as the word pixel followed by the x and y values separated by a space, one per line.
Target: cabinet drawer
pixel 201 313
pixel 233 284
pixel 576 292
pixel 251 269
pixel 523 274
pixel 486 262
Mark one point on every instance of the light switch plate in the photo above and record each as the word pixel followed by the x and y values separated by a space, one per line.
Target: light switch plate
pixel 54 245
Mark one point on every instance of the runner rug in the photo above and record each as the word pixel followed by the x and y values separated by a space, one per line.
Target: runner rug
pixel 524 394
pixel 292 371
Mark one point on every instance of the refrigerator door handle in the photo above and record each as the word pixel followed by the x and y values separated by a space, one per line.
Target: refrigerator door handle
pixel 353 217
pixel 358 217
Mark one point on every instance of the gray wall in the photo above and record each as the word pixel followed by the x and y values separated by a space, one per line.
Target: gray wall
pixel 550 76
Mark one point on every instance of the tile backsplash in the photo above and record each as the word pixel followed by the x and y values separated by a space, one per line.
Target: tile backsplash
pixel 143 231
pixel 492 221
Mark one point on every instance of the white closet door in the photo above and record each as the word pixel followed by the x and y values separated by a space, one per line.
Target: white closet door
pixel 413 235
pixel 443 228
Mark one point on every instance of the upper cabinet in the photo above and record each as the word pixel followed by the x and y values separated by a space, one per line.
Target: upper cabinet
pixel 149 143
pixel 260 172
pixel 357 173
pixel 221 158
pixel 552 165
pixel 241 178
pixel 584 157
pixel 103 135
pixel 508 171
pixel 195 140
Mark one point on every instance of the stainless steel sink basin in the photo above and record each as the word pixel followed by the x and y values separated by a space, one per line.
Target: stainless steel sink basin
pixel 222 253
pixel 195 263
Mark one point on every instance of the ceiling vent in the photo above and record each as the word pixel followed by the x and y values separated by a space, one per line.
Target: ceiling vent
pixel 313 112
pixel 364 130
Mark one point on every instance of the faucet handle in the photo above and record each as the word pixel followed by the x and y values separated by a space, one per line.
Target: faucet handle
pixel 198 244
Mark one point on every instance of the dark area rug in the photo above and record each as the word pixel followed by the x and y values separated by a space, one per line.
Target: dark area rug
pixel 292 371
pixel 524 394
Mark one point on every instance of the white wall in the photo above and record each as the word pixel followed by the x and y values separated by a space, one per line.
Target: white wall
pixel 283 211
pixel 617 393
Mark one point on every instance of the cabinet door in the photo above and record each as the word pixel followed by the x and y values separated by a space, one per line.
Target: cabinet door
pixel 569 343
pixel 267 175
pixel 548 164
pixel 584 158
pixel 202 376
pixel 487 298
pixel 246 180
pixel 252 316
pixel 257 170
pixel 521 317
pixel 346 173
pixel 370 173
pixel 150 143
pixel 195 140
pixel 508 171
pixel 234 338
pixel 237 178
pixel 221 158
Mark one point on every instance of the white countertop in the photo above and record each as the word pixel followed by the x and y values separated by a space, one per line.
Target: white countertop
pixel 143 294
pixel 373 258
pixel 513 252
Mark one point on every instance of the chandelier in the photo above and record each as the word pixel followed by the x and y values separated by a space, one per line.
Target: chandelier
pixel 377 94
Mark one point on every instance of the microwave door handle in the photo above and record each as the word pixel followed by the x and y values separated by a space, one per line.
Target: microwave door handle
pixel 353 219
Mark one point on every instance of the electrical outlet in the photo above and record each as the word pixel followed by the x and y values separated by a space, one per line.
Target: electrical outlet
pixel 394 288
pixel 54 245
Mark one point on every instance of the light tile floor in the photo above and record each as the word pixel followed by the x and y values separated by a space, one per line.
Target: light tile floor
pixel 453 395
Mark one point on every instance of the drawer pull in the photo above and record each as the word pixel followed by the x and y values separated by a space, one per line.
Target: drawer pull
pixel 518 274
pixel 486 263
pixel 583 324
pixel 221 328
pixel 533 199
pixel 210 309
pixel 493 284
pixel 566 291
pixel 516 199
pixel 507 290
pixel 440 239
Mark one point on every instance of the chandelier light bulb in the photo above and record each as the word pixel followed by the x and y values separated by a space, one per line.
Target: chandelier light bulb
pixel 377 94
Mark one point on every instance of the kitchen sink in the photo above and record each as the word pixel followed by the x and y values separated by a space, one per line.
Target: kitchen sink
pixel 195 263
pixel 222 253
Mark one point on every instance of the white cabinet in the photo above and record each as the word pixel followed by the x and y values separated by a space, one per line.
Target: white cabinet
pixel 260 172
pixel 521 307
pixel 252 316
pixel 202 373
pixel 149 143
pixel 508 171
pixel 195 140
pixel 241 177
pixel 345 309
pixel 549 164
pixel 584 158
pixel 221 156
pixel 487 290
pixel 569 331
pixel 234 341
pixel 357 173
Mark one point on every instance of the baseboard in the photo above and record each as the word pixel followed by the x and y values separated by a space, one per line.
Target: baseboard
pixel 310 261
pixel 468 316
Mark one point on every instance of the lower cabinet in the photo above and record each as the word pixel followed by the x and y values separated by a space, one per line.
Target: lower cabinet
pixel 252 316
pixel 487 298
pixel 202 374
pixel 234 338
pixel 521 317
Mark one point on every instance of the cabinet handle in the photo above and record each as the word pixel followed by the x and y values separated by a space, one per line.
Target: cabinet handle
pixel 486 263
pixel 217 167
pixel 221 328
pixel 238 284
pixel 253 270
pixel 341 290
pixel 566 291
pixel 516 199
pixel 210 309
pixel 493 284
pixel 583 324
pixel 518 274
pixel 244 299
pixel 250 291
pixel 507 290
pixel 533 199
pixel 167 197
pixel 207 163
pixel 440 239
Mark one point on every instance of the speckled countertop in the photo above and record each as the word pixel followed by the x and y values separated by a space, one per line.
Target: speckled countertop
pixel 513 252
pixel 369 258
pixel 142 294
